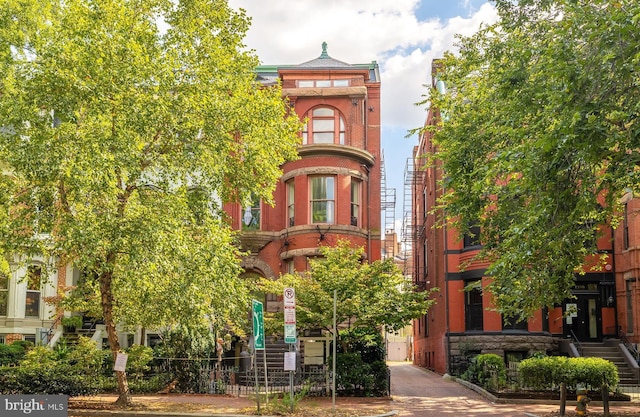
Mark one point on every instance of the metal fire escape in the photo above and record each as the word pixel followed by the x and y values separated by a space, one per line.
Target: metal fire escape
pixel 408 228
pixel 388 206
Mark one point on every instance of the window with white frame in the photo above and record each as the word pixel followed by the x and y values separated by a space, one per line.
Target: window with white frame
pixel 34 286
pixel 323 83
pixel 251 214
pixel 324 125
pixel 291 197
pixel 356 198
pixel 323 199
pixel 289 266
pixel 4 294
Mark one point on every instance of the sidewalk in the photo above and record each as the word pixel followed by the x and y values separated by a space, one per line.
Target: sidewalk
pixel 415 392
pixel 198 405
pixel 418 392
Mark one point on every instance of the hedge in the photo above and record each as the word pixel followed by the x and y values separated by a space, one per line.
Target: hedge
pixel 549 372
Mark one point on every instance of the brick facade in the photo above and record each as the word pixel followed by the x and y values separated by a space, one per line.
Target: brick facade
pixel 464 320
pixel 285 242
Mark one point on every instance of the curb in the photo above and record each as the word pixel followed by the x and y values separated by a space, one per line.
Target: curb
pixel 129 413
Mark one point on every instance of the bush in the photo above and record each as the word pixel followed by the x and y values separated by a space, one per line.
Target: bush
pixel 360 363
pixel 548 373
pixel 356 377
pixel 67 370
pixel 187 356
pixel 13 353
pixel 543 373
pixel 487 370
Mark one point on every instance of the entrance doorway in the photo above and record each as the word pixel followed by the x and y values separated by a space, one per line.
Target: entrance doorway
pixel 584 317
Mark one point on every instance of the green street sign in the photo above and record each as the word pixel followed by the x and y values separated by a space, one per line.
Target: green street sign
pixel 258 325
pixel 290 333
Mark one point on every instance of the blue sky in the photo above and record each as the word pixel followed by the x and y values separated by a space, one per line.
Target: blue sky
pixel 403 36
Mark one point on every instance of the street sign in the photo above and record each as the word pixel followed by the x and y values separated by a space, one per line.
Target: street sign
pixel 258 325
pixel 289 297
pixel 289 315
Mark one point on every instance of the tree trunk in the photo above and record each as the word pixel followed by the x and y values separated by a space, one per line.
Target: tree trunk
pixel 124 396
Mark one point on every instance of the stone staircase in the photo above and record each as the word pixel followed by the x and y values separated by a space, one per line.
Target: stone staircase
pixel 609 350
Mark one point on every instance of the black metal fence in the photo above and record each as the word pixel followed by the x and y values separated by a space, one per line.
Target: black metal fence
pixel 209 376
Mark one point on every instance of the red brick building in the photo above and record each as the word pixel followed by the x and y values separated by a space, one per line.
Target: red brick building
pixel 462 322
pixel 333 191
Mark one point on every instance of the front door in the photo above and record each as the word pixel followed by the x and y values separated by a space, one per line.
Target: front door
pixel 584 317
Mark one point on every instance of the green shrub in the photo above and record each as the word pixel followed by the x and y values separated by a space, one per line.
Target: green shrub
pixel 186 355
pixel 593 372
pixel 67 370
pixel 360 363
pixel 543 373
pixel 548 373
pixel 13 353
pixel 487 370
pixel 139 359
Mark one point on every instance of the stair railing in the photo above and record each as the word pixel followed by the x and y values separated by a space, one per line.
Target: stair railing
pixel 577 341
pixel 633 349
pixel 55 323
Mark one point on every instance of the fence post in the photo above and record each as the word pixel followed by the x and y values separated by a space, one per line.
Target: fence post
pixel 563 398
pixel 605 399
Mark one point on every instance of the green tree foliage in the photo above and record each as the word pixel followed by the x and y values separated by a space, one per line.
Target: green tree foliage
pixel 538 137
pixel 124 126
pixel 369 295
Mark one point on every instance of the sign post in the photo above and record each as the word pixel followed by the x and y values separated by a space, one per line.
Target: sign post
pixel 258 344
pixel 290 331
pixel 289 315
pixel 258 325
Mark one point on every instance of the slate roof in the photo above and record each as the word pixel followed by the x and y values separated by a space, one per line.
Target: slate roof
pixel 268 74
pixel 324 61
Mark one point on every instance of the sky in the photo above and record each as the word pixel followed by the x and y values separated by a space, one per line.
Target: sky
pixel 402 36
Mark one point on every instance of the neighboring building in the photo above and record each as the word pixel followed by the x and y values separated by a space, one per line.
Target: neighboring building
pixel 334 190
pixel 24 314
pixel 627 270
pixel 461 323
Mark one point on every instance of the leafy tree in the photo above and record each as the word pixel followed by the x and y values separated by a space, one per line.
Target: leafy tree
pixel 125 125
pixel 538 135
pixel 369 295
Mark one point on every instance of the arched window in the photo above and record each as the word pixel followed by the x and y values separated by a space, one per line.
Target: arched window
pixel 324 125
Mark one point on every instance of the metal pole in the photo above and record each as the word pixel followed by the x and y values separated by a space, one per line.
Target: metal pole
pixel 291 379
pixel 266 383
pixel 335 332
pixel 255 371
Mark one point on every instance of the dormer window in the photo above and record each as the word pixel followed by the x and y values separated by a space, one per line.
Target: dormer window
pixel 324 125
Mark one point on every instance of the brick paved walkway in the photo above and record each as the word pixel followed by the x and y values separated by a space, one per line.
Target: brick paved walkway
pixel 419 393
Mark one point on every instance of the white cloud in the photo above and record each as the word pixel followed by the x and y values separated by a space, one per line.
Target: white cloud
pixel 286 32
